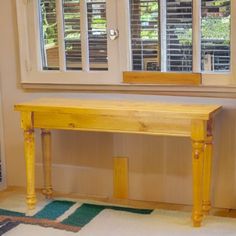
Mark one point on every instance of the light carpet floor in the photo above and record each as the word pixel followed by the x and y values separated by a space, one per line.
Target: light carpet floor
pixel 160 222
pixel 110 222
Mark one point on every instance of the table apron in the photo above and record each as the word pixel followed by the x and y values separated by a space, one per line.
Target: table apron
pixel 122 123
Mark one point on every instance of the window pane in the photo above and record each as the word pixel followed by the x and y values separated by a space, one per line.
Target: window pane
pixel 48 32
pixel 72 34
pixel 97 34
pixel 144 18
pixel 215 35
pixel 179 35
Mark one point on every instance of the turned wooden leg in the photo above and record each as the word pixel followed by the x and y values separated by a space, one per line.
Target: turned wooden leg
pixel 29 144
pixel 206 204
pixel 197 159
pixel 198 136
pixel 47 162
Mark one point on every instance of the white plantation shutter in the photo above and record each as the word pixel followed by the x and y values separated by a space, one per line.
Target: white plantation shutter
pixel 72 34
pixel 179 35
pixel 97 34
pixel 145 44
pixel 49 35
pixel 145 34
pixel 215 39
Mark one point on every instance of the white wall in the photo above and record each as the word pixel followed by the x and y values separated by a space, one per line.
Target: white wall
pixel 160 167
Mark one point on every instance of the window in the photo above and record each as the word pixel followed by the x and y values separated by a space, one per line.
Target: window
pixel 67 42
pixel 215 36
pixel 97 34
pixel 48 35
pixel 145 42
pixel 177 40
pixel 93 41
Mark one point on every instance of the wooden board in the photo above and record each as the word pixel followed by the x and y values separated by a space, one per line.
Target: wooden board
pixel 120 177
pixel 170 78
pixel 160 109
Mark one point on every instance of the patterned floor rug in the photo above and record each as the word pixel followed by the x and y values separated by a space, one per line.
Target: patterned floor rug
pixel 65 217
pixel 69 216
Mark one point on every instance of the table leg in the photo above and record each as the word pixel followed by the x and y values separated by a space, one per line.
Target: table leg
pixel 198 135
pixel 29 145
pixel 206 204
pixel 47 162
pixel 197 159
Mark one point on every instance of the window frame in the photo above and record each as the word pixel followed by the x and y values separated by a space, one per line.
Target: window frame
pixel 30 59
pixel 30 49
pixel 209 79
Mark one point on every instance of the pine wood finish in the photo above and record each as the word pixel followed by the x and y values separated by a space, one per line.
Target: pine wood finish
pixel 29 147
pixel 171 78
pixel 120 178
pixel 153 118
pixel 207 169
pixel 47 162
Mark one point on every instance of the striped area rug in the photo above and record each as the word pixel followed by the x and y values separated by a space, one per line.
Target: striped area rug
pixel 72 217
pixel 69 216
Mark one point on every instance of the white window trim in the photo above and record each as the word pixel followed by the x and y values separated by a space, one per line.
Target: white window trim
pixel 196 25
pixel 60 28
pixel 233 42
pixel 225 79
pixel 163 35
pixel 30 52
pixel 84 39
pixel 31 72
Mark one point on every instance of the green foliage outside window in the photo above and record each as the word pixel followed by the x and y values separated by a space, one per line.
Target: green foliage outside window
pixel 49 23
pixel 149 14
pixel 212 27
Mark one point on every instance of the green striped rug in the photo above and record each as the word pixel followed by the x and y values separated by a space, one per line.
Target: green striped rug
pixel 60 214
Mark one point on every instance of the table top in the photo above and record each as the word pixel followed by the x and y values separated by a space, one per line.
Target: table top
pixel 69 105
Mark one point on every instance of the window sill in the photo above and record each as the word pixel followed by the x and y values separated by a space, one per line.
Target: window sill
pixel 170 90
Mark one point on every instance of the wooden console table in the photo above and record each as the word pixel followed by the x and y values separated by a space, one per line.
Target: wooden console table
pixel 187 120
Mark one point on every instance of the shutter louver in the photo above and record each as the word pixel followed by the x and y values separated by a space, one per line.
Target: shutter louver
pixel 146 38
pixel 179 35
pixel 72 33
pixel 48 33
pixel 97 34
pixel 215 33
pixel 144 18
